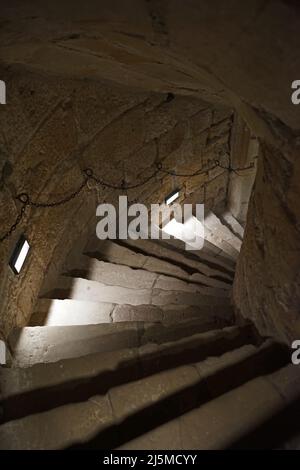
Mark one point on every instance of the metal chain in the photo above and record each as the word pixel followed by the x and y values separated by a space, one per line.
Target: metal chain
pixel 123 186
pixel 236 170
pixel 25 199
pixel 15 225
pixel 190 175
pixel 25 196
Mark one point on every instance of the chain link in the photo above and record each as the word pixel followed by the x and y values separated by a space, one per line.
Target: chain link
pixel 123 186
pixel 190 175
pixel 15 225
pixel 65 200
pixel 25 199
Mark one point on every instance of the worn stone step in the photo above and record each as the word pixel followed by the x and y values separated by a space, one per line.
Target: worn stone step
pixel 46 386
pixel 214 258
pixel 209 248
pixel 31 345
pixel 162 251
pixel 215 246
pixel 232 223
pixel 226 247
pixel 221 246
pixel 219 242
pixel 215 228
pixel 220 423
pixel 174 313
pixel 83 289
pixel 215 262
pixel 115 253
pixel 124 276
pixel 113 274
pixel 127 411
pixel 58 312
pixel 171 283
pixel 281 431
pixel 219 239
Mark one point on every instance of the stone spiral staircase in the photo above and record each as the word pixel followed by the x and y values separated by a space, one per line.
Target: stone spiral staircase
pixel 136 347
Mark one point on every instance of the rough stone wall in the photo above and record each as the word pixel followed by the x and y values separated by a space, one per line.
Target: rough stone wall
pixel 244 154
pixel 53 128
pixel 267 280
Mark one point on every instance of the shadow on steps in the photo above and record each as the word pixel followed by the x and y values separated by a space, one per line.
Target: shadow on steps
pixel 78 390
pixel 190 270
pixel 261 363
pixel 282 431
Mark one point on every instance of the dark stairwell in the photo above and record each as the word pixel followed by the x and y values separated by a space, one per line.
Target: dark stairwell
pixel 142 344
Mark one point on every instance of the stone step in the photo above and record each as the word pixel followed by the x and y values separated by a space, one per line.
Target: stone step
pixel 162 251
pixel 45 386
pixel 228 250
pixel 112 252
pixel 172 283
pixel 214 246
pixel 219 235
pixel 221 422
pixel 232 223
pixel 57 312
pixel 78 288
pixel 214 224
pixel 32 345
pixel 174 313
pixel 214 258
pixel 124 276
pixel 113 274
pixel 209 248
pixel 218 245
pixel 281 431
pixel 126 411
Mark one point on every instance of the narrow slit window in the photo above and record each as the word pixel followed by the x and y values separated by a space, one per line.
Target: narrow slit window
pixel 19 255
pixel 172 197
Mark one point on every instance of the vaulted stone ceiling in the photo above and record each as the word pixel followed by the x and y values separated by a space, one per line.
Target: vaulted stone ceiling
pixel 206 49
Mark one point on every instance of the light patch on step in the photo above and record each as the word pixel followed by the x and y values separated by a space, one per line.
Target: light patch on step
pixel 191 232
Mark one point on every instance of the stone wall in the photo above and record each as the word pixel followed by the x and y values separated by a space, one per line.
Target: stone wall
pixel 267 281
pixel 54 128
pixel 244 154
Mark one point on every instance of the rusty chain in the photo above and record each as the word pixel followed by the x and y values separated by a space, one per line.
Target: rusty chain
pixel 26 201
pixel 15 225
